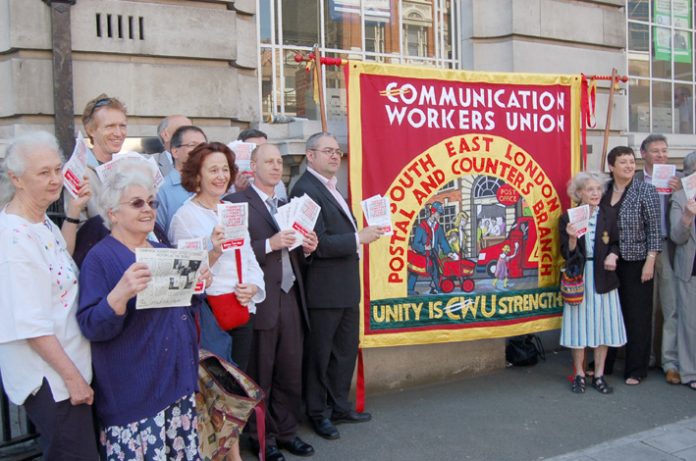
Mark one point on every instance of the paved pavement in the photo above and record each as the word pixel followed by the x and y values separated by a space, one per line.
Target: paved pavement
pixel 521 414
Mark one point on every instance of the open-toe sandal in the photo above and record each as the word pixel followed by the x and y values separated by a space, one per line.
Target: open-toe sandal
pixel 578 386
pixel 601 385
pixel 691 385
pixel 633 381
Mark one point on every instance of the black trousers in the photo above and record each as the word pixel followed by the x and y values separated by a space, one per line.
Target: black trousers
pixel 241 343
pixel 636 305
pixel 67 431
pixel 276 365
pixel 331 350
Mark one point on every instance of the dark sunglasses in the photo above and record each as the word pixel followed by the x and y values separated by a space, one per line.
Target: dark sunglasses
pixel 100 103
pixel 139 203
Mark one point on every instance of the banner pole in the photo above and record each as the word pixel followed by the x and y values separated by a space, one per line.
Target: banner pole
pixel 607 124
pixel 320 86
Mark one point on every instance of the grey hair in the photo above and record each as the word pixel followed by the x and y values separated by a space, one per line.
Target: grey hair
pixel 581 179
pixel 16 157
pixel 651 138
pixel 313 140
pixel 689 163
pixel 161 127
pixel 128 173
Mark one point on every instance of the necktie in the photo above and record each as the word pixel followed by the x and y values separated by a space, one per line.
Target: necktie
pixel 288 277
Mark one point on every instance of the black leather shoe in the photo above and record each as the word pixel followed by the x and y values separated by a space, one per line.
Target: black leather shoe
pixel 351 417
pixel 297 447
pixel 325 429
pixel 272 451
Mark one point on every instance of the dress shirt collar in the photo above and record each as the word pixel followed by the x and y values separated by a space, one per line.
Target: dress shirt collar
pixel 328 183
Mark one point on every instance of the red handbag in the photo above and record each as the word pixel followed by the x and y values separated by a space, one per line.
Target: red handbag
pixel 227 311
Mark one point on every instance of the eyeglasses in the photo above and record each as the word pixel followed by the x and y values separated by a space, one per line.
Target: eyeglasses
pixel 139 203
pixel 190 145
pixel 330 152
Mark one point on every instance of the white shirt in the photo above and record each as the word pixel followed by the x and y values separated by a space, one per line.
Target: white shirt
pixel 194 221
pixel 38 297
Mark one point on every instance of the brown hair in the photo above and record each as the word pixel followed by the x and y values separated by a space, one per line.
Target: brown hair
pixel 103 100
pixel 192 167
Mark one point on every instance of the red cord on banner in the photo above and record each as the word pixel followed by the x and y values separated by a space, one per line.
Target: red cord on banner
pixel 324 60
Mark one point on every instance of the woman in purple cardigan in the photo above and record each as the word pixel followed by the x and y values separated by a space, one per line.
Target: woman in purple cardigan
pixel 145 361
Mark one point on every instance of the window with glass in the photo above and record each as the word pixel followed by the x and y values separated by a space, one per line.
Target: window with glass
pixel 417 32
pixel 660 35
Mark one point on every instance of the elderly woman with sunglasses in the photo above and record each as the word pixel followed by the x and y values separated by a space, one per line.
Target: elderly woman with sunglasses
pixel 45 361
pixel 145 361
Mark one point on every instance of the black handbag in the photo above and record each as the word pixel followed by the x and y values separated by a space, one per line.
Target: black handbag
pixel 524 351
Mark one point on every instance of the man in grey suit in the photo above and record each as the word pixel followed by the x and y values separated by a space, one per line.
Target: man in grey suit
pixel 683 234
pixel 332 285
pixel 654 150
pixel 165 130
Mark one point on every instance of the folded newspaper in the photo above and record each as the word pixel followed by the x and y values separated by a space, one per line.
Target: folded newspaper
pixel 74 169
pixel 234 218
pixel 106 170
pixel 174 276
pixel 378 213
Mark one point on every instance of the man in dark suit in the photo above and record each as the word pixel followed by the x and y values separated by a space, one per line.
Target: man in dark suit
pixel 276 359
pixel 333 292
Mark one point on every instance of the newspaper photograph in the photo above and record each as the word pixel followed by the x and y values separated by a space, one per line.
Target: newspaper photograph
pixel 234 218
pixel 196 244
pixel 661 175
pixel 580 218
pixel 377 213
pixel 74 169
pixel 174 276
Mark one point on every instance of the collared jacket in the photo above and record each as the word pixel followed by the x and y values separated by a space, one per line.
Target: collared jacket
pixel 606 242
pixel 639 220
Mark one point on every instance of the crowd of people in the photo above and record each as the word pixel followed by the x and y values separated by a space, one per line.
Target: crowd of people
pixel 638 253
pixel 72 339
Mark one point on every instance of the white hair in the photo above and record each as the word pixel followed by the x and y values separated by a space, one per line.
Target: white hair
pixel 16 158
pixel 581 179
pixel 129 172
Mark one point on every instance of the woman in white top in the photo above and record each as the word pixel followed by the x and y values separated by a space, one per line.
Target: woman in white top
pixel 45 361
pixel 208 172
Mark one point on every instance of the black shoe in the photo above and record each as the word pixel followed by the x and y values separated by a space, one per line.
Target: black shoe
pixel 272 451
pixel 325 429
pixel 297 447
pixel 351 417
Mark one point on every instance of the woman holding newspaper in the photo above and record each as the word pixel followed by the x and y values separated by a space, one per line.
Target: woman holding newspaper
pixel 45 361
pixel 145 361
pixel 597 322
pixel 208 173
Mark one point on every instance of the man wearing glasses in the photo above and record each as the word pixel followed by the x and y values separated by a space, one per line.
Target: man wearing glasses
pixel 172 194
pixel 332 291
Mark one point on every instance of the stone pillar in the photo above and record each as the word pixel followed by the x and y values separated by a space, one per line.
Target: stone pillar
pixel 63 107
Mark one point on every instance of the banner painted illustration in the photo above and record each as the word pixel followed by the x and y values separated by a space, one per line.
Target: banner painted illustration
pixel 475 167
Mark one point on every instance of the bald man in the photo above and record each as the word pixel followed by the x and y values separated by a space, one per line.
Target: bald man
pixel 165 130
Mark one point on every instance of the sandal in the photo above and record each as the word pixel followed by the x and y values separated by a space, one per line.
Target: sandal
pixel 578 386
pixel 691 385
pixel 601 385
pixel 633 381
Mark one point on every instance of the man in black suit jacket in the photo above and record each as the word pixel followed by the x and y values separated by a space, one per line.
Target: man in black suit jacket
pixel 276 358
pixel 333 292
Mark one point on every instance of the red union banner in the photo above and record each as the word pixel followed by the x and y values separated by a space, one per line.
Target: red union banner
pixel 474 166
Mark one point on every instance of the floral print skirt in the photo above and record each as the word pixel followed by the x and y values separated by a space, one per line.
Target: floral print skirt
pixel 169 435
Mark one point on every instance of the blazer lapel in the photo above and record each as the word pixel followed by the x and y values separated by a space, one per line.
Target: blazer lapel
pixel 256 203
pixel 323 190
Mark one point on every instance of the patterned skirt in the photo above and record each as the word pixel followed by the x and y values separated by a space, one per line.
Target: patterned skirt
pixel 169 435
pixel 597 321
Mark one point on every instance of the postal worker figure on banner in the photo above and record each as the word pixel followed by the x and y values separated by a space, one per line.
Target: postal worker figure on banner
pixel 428 242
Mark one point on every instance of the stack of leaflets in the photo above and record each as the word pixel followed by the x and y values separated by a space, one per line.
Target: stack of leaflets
pixel 689 183
pixel 580 218
pixel 300 215
pixel 234 218
pixel 74 169
pixel 377 213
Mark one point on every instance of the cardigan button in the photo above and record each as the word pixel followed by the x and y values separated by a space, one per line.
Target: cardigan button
pixel 184 317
